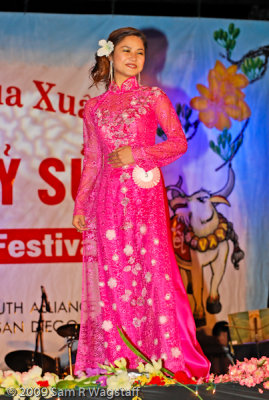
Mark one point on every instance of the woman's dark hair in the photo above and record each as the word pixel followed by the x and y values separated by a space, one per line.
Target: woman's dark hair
pixel 100 71
pixel 221 326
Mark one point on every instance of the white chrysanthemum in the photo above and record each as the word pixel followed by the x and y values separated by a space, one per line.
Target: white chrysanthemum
pixel 101 304
pixel 101 284
pixel 118 347
pixel 114 306
pixel 149 301
pixel 107 325
pixel 153 262
pixel 115 257
pixel 143 251
pixel 128 250
pixel 156 241
pixel 167 296
pixel 156 341
pixel 105 267
pixel 120 380
pixel 106 48
pixel 112 283
pixel 131 260
pixel 127 268
pixel 143 229
pixel 164 356
pixel 162 319
pixel 139 343
pixel 167 335
pixel 167 277
pixel 110 234
pixel 134 283
pixel 155 366
pixel 175 352
pixel 148 276
pixel 105 345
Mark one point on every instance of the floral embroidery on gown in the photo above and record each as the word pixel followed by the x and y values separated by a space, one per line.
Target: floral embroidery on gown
pixel 130 276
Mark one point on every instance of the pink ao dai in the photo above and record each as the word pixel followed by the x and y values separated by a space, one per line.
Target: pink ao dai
pixel 130 276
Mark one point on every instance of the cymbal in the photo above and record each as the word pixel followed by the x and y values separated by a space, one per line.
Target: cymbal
pixel 69 330
pixel 23 360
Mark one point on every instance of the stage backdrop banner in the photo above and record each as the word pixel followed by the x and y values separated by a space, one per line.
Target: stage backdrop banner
pixel 216 74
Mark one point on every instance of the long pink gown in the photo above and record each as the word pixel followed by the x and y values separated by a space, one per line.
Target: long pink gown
pixel 130 276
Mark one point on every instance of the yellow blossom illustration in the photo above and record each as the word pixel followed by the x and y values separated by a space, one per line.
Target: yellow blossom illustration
pixel 223 99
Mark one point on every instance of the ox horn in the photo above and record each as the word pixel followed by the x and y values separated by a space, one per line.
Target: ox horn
pixel 228 187
pixel 219 199
pixel 176 188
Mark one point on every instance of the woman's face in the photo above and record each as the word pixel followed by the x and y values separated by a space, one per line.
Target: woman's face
pixel 128 58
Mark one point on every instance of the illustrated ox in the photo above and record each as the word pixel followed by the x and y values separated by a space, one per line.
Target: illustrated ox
pixel 198 211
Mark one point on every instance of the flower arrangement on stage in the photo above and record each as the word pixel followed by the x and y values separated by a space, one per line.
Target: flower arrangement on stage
pixel 115 379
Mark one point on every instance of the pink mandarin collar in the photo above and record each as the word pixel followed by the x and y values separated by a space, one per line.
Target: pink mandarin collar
pixel 130 84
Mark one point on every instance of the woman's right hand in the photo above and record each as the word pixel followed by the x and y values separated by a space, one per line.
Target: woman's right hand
pixel 79 223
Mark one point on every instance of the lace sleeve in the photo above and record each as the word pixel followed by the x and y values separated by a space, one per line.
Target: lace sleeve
pixel 164 153
pixel 91 164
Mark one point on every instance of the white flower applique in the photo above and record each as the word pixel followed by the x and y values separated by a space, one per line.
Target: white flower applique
pixel 134 268
pixel 124 176
pixel 137 322
pixel 162 319
pixel 112 283
pixel 126 295
pixel 128 250
pixel 115 257
pixel 110 234
pixel 148 276
pixel 175 352
pixel 107 325
pixel 143 229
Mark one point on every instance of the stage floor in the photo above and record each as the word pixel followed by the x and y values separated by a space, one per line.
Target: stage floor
pixel 224 391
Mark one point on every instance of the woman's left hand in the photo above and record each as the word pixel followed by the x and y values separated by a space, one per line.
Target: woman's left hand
pixel 120 157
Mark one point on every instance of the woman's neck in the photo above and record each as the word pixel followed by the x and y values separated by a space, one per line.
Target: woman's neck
pixel 120 80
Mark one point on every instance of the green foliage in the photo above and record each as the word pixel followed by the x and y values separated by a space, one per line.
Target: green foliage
pixel 224 147
pixel 66 384
pixel 227 39
pixel 252 67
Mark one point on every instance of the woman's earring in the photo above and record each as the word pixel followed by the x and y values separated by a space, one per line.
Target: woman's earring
pixel 111 71
pixel 139 79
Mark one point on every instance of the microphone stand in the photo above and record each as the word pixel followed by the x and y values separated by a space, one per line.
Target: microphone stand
pixel 39 330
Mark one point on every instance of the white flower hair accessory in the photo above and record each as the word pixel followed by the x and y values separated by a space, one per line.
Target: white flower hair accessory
pixel 106 48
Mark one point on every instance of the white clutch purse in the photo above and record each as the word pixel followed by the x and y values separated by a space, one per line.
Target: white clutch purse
pixel 146 179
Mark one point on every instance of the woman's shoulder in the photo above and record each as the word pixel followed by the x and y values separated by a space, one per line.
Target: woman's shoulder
pixel 91 103
pixel 154 91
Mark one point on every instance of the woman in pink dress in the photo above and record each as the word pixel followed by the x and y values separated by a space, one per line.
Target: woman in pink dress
pixel 130 276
